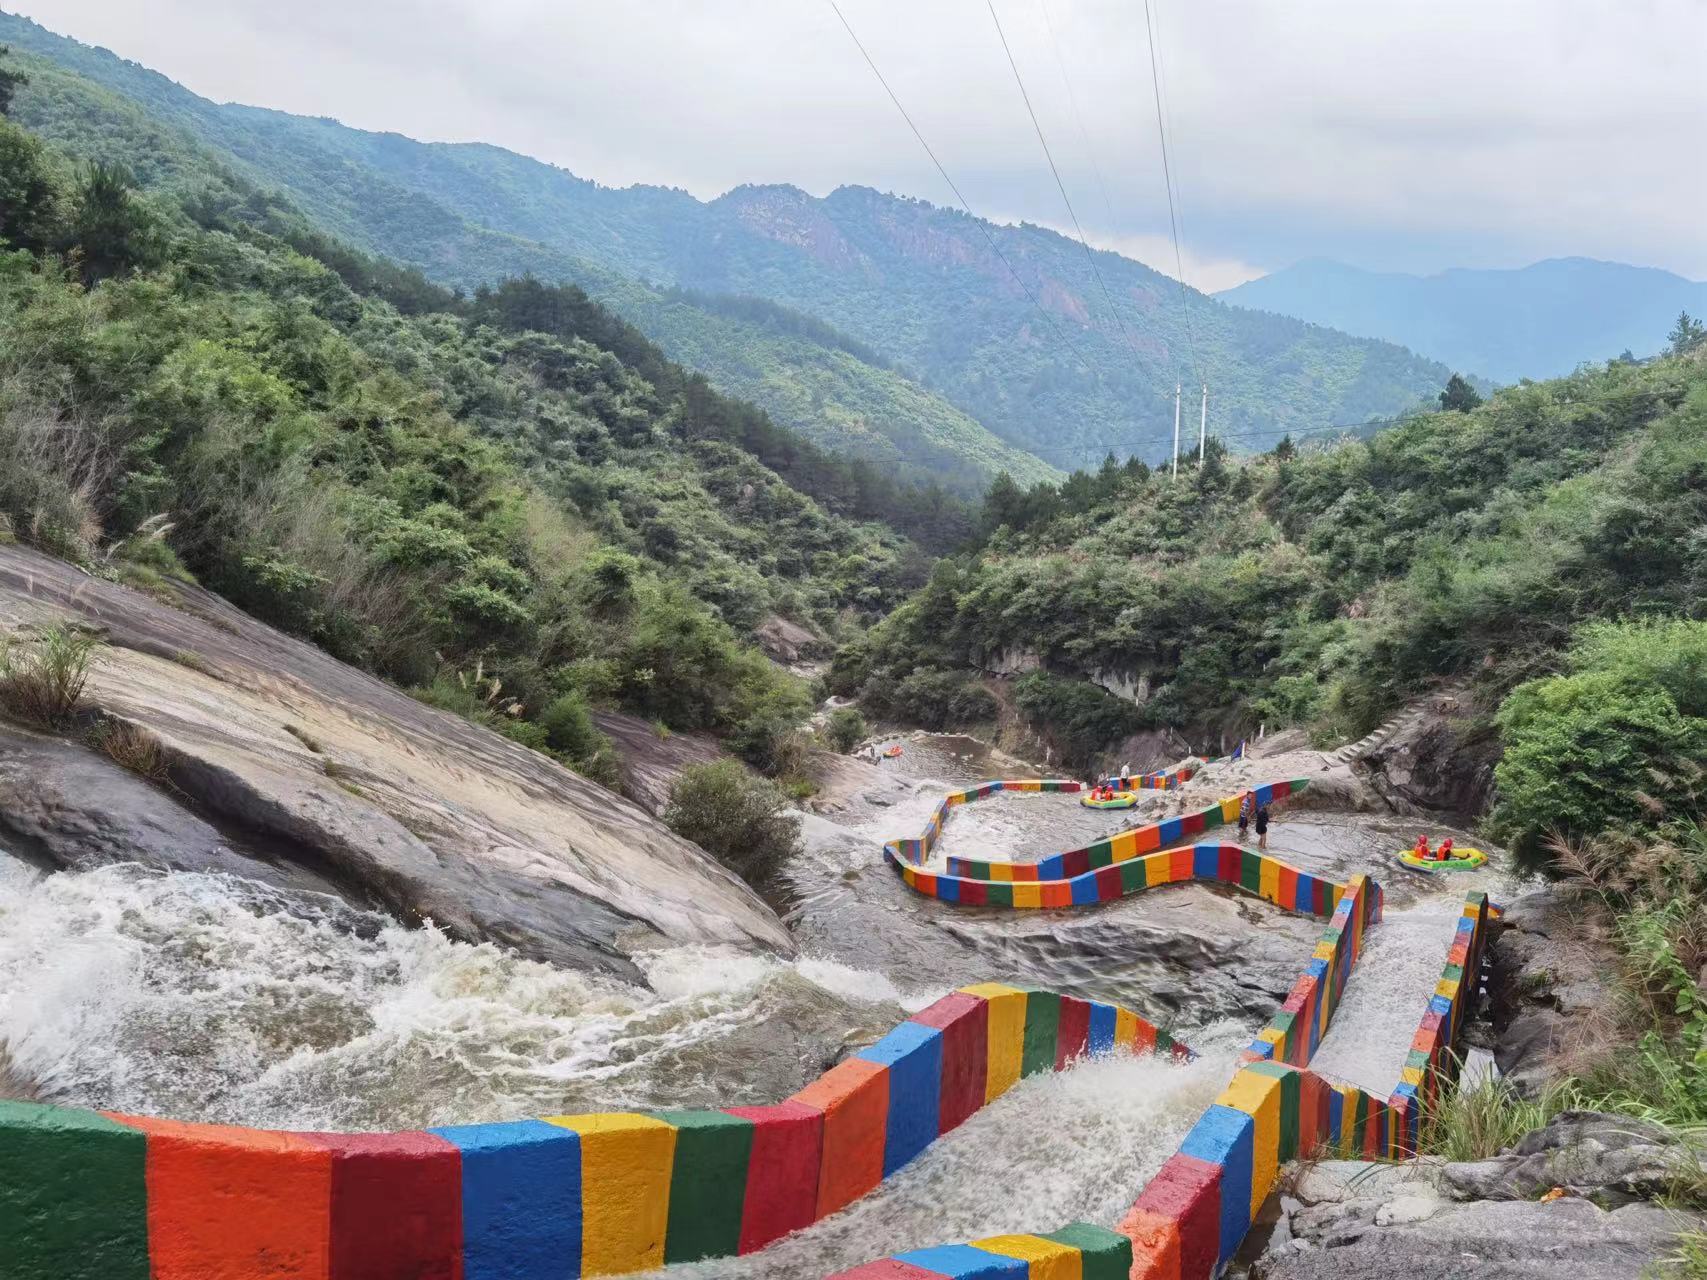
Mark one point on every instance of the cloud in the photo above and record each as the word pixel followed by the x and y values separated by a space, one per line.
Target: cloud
pixel 1412 134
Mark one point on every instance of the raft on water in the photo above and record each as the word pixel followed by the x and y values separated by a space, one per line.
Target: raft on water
pixel 1461 860
pixel 1119 800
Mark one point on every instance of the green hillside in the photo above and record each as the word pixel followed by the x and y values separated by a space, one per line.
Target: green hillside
pixel 364 188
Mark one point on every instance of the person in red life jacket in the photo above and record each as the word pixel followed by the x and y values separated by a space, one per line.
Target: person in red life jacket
pixel 1422 850
pixel 1444 853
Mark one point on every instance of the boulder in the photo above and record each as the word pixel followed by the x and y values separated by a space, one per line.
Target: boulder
pixel 785 641
pixel 1609 1159
pixel 398 804
pixel 651 762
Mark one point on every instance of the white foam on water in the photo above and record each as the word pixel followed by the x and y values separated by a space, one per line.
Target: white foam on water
pixel 212 997
pixel 1073 1146
pixel 1387 996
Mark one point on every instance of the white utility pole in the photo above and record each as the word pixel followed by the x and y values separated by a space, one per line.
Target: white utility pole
pixel 1176 431
pixel 1203 426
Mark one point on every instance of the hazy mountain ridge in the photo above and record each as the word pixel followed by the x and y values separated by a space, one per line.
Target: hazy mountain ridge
pixel 1537 321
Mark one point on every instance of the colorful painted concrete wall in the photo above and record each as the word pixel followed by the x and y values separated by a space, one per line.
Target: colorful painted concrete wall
pixel 1167 781
pixel 917 851
pixel 1193 1215
pixel 91 1196
pixel 1078 1251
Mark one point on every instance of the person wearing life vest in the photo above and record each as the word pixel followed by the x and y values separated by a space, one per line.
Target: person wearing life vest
pixel 1444 853
pixel 1422 850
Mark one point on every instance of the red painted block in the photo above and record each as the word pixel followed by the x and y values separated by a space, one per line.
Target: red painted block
pixel 964 1021
pixel 974 893
pixel 1056 893
pixel 1309 1114
pixel 1155 1245
pixel 1026 871
pixel 854 1097
pixel 1228 870
pixel 1188 1191
pixel 1108 884
pixel 232 1204
pixel 1075 862
pixel 396 1205
pixel 782 1172
pixel 925 883
pixel 1288 888
pixel 1191 824
pixel 1181 863
pixel 1143 1038
pixel 1073 1032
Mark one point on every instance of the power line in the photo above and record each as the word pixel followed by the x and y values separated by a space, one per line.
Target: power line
pixel 1078 117
pixel 1168 180
pixel 1060 185
pixel 977 221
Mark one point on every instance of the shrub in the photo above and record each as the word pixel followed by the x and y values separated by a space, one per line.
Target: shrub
pixel 845 729
pixel 739 819
pixel 42 680
pixel 569 727
pixel 1082 718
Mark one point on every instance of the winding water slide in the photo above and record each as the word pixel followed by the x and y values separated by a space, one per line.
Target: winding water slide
pixel 106 1196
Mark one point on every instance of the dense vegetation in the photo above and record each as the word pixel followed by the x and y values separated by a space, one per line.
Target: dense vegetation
pixel 1321 586
pixel 917 284
pixel 512 501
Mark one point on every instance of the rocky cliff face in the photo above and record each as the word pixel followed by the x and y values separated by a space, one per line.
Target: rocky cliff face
pixel 286 764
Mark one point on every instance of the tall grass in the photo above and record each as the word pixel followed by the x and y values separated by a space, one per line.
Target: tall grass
pixel 42 679
pixel 1477 1121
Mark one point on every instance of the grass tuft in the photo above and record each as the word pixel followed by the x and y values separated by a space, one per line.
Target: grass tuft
pixel 42 679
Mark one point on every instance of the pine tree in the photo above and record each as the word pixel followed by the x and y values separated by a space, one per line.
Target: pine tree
pixel 1459 396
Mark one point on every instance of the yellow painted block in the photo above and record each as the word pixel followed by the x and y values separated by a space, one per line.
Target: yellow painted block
pixel 1268 880
pixel 1323 951
pixel 1258 1096
pixel 1125 1027
pixel 1028 893
pixel 954 798
pixel 909 876
pixel 626 1161
pixel 1123 846
pixel 1005 1042
pixel 1270 1036
pixel 1001 871
pixel 1029 785
pixel 1447 987
pixel 1049 1261
pixel 1411 1075
pixel 1230 809
pixel 1159 868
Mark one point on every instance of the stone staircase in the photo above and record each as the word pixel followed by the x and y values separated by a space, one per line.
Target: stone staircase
pixel 1400 721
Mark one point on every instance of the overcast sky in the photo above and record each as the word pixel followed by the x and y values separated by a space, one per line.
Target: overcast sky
pixel 1406 135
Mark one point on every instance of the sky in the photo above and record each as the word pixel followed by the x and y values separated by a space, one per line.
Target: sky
pixel 1404 135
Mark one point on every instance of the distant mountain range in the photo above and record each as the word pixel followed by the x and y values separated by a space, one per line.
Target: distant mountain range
pixel 1538 321
pixel 882 325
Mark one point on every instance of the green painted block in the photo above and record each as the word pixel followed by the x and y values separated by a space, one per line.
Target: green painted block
pixel 1250 870
pixel 1291 1092
pixel 1042 1028
pixel 1164 1042
pixel 1102 854
pixel 1362 1119
pixel 1416 1058
pixel 999 893
pixel 1104 1255
pixel 1453 973
pixel 73 1195
pixel 708 1184
pixel 1132 875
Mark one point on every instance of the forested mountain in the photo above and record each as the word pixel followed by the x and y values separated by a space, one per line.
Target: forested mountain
pixel 916 284
pixel 1321 586
pixel 511 501
pixel 823 384
pixel 1540 321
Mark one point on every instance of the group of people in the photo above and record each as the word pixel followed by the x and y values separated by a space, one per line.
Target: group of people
pixel 1441 854
pixel 1103 792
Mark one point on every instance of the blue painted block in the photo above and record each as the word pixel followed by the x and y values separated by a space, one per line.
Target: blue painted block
pixel 1206 861
pixel 1440 1005
pixel 1262 1048
pixel 913 1054
pixel 521 1200
pixel 1102 1028
pixel 1227 1137
pixel 1052 868
pixel 1084 889
pixel 1336 1114
pixel 963 1262
pixel 1264 795
pixel 1170 831
pixel 948 889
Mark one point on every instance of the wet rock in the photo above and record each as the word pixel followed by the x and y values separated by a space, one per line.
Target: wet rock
pixel 1506 1240
pixel 1609 1159
pixel 1548 983
pixel 651 762
pixel 397 803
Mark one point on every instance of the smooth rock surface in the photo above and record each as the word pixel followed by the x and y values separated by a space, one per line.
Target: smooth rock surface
pixel 1610 1159
pixel 1550 991
pixel 651 763
pixel 397 803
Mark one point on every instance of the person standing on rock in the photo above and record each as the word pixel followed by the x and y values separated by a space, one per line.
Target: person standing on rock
pixel 1247 806
pixel 1126 777
pixel 1262 827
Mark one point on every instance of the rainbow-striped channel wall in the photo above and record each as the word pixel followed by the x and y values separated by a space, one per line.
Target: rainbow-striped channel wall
pixel 1125 863
pixel 1193 1215
pixel 97 1196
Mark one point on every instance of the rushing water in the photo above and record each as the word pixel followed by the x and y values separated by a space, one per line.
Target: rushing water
pixel 210 997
